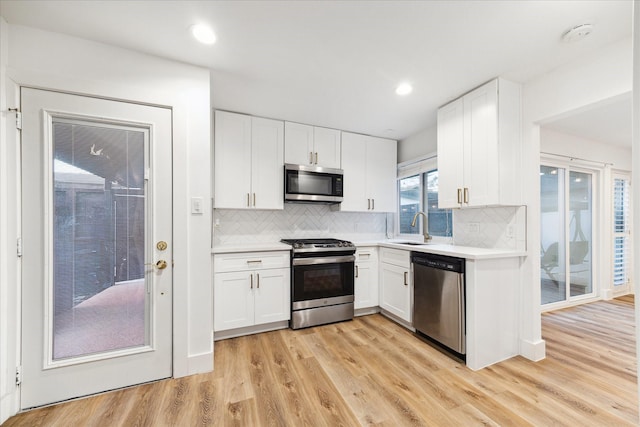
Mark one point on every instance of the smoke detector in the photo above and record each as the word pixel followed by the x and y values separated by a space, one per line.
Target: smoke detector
pixel 577 33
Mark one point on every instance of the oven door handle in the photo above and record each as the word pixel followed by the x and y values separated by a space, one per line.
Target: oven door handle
pixel 323 260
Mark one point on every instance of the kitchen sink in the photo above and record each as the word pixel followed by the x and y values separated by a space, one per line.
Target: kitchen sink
pixel 411 243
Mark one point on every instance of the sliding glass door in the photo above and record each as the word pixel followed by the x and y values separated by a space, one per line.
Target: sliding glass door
pixel 566 234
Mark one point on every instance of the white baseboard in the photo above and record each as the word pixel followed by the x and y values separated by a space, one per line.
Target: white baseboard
pixel 9 405
pixel 366 311
pixel 398 320
pixel 221 335
pixel 200 363
pixel 534 351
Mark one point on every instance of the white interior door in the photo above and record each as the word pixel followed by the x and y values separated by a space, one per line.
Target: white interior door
pixel 97 249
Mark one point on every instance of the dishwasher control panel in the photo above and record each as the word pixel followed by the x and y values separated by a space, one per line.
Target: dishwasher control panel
pixel 438 261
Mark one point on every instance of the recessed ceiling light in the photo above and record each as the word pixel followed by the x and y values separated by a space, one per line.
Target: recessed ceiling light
pixel 404 89
pixel 577 33
pixel 203 34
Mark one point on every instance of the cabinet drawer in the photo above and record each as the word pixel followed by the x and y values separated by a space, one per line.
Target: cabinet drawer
pixel 367 254
pixel 396 257
pixel 250 261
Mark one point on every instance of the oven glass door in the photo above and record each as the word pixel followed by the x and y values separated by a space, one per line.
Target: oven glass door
pixel 322 281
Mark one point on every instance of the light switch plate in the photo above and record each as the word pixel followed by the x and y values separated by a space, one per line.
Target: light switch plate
pixel 196 205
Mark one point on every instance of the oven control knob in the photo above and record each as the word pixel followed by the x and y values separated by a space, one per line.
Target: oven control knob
pixel 297 245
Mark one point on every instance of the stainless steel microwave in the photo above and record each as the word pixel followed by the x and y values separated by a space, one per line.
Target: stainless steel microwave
pixel 312 184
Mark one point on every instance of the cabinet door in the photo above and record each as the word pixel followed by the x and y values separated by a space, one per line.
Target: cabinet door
pixel 354 165
pixel 326 147
pixel 232 300
pixel 267 163
pixel 272 295
pixel 232 159
pixel 450 154
pixel 395 290
pixel 366 285
pixel 298 144
pixel 481 145
pixel 382 174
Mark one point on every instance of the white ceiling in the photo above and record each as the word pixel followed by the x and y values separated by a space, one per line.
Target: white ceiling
pixel 336 63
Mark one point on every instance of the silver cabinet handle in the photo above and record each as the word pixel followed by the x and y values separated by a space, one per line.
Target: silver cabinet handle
pixel 405 278
pixel 357 271
pixel 368 204
pixel 248 200
pixel 258 277
pixel 316 158
pixel 254 261
pixel 254 200
pixel 373 204
pixel 466 195
pixel 310 157
pixel 251 281
pixel 459 196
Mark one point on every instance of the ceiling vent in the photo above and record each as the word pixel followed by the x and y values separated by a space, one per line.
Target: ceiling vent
pixel 577 33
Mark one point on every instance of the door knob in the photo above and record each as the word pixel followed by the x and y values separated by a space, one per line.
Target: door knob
pixel 160 265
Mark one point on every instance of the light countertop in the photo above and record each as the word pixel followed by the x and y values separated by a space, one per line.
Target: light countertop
pixel 440 249
pixel 250 247
pixel 466 252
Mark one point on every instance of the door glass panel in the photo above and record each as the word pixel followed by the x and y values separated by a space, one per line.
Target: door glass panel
pixel 552 235
pixel 580 226
pixel 98 296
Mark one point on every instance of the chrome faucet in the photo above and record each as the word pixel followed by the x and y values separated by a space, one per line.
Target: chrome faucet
pixel 425 225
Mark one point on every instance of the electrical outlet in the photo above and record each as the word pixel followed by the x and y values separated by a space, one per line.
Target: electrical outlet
pixel 510 231
pixel 473 227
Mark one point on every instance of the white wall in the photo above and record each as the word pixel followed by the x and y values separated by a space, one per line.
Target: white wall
pixel 552 141
pixel 591 79
pixel 55 61
pixel 418 145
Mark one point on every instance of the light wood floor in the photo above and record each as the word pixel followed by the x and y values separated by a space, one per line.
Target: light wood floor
pixel 373 372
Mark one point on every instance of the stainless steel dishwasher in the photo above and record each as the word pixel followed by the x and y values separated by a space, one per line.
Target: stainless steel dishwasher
pixel 439 300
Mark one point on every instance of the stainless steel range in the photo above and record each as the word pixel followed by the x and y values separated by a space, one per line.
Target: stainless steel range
pixel 322 281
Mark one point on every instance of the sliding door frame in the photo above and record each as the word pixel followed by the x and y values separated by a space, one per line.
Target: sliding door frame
pixel 598 171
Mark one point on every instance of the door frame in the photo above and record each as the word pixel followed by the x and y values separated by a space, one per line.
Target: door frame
pixel 598 172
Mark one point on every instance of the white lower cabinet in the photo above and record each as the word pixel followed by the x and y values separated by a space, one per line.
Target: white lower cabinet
pixel 366 278
pixel 395 283
pixel 251 295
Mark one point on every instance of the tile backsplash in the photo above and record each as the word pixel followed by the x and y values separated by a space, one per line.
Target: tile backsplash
pixel 232 226
pixel 494 227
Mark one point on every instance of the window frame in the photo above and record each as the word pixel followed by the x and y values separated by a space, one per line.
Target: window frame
pixel 419 167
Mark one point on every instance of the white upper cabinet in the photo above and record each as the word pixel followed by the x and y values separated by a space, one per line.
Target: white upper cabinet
pixel 249 160
pixel 479 147
pixel 312 145
pixel 369 165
